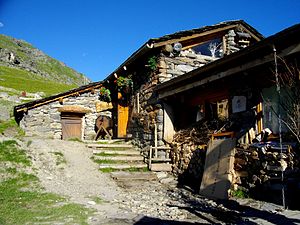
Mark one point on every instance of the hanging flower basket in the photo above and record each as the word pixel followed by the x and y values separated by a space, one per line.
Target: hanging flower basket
pixel 124 84
pixel 104 94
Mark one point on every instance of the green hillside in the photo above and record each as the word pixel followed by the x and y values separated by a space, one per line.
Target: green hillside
pixel 22 80
pixel 21 55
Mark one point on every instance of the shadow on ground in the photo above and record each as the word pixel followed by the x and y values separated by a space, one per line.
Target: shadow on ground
pixel 230 212
pixel 151 221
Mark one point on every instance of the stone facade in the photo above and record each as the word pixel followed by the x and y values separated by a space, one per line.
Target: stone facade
pixel 45 121
pixel 151 112
pixel 171 67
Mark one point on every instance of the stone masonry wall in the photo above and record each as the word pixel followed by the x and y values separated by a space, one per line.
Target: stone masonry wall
pixel 45 121
pixel 151 111
pixel 186 61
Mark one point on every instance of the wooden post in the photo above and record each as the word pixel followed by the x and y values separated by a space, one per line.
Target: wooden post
pixel 259 111
pixel 138 102
pixel 150 158
pixel 155 140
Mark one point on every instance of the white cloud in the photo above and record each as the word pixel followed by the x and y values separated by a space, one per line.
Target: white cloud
pixel 1 24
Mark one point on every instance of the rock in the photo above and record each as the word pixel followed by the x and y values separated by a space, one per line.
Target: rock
pixel 185 68
pixel 161 175
pixel 166 180
pixel 91 203
pixel 4 113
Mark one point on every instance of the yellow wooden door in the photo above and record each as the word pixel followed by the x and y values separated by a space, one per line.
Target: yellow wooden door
pixel 123 113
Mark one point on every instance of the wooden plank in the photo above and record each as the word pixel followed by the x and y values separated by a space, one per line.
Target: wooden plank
pixel 182 39
pixel 169 129
pixel 71 128
pixel 216 180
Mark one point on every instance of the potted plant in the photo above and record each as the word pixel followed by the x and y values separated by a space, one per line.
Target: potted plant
pixel 104 94
pixel 124 84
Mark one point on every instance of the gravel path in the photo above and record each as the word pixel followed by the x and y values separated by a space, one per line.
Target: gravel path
pixel 65 168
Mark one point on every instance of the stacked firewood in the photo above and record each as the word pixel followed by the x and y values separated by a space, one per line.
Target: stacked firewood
pixel 189 147
pixel 262 163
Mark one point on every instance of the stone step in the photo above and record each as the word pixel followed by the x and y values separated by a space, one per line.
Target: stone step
pixel 122 146
pixel 117 152
pixel 128 176
pixel 120 158
pixel 161 167
pixel 113 141
pixel 123 166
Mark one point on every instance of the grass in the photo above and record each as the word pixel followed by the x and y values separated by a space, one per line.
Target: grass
pixel 28 207
pixel 60 158
pixel 239 193
pixel 75 139
pixel 132 169
pixel 11 153
pixel 98 200
pixel 105 161
pixel 25 81
pixel 22 201
pixel 11 124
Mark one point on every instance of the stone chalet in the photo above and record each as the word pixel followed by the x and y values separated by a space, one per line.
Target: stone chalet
pixel 136 112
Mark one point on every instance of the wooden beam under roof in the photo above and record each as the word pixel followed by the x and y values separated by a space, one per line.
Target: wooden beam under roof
pixel 187 38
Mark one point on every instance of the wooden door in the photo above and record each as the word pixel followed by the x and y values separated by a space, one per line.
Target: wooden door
pixel 123 113
pixel 71 127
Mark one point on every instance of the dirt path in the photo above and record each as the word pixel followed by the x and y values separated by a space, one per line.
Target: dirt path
pixel 65 168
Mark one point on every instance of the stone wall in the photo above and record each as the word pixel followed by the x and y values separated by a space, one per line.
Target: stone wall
pixel 171 67
pixel 150 110
pixel 45 121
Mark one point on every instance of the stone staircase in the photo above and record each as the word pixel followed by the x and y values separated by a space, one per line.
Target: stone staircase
pixel 115 156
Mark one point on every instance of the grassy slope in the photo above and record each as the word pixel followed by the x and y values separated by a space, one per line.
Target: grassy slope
pixel 53 67
pixel 22 201
pixel 25 81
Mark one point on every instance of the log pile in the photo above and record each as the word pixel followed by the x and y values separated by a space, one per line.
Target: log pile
pixel 260 165
pixel 189 148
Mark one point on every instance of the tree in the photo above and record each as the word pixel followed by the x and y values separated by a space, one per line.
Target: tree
pixel 289 81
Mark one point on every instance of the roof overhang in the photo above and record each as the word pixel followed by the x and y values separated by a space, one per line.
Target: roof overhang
pixel 74 92
pixel 182 36
pixel 285 42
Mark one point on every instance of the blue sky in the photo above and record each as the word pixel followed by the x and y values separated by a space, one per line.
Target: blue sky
pixel 95 36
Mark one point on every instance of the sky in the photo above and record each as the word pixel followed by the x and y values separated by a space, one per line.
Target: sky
pixel 94 37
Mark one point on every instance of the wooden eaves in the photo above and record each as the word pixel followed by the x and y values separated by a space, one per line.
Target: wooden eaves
pixel 286 43
pixel 182 36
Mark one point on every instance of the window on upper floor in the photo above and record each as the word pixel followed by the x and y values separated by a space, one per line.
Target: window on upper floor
pixel 212 48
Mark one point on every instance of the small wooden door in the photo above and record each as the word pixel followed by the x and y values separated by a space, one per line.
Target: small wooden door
pixel 123 113
pixel 71 126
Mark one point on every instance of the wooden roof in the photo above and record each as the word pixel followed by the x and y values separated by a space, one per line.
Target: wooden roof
pixel 74 92
pixel 185 36
pixel 286 43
